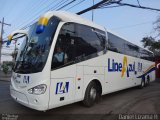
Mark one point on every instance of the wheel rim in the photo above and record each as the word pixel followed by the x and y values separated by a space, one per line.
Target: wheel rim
pixel 93 93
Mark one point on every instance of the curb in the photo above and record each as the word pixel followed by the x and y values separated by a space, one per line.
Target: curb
pixel 4 80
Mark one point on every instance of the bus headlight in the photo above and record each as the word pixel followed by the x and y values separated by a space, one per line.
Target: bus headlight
pixel 37 90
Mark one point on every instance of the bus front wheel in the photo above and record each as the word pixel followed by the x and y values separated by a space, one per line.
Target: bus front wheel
pixel 91 94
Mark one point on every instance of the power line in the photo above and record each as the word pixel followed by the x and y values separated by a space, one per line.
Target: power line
pixel 75 4
pixel 34 7
pixel 28 24
pixel 49 8
pixel 93 7
pixel 59 4
pixel 105 3
pixel 129 26
pixel 28 12
pixel 135 6
pixel 37 14
pixel 66 5
pixel 60 7
pixel 130 5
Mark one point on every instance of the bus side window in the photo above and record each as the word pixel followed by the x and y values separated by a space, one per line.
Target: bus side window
pixel 89 42
pixel 64 50
pixel 131 49
pixel 146 55
pixel 116 44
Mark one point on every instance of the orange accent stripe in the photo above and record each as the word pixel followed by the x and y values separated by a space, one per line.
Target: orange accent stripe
pixel 43 21
pixel 149 68
pixel 10 37
pixel 125 62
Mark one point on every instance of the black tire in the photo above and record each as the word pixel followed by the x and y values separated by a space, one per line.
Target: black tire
pixel 148 81
pixel 142 84
pixel 91 94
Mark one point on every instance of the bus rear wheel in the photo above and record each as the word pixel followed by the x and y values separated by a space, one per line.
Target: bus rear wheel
pixel 148 81
pixel 91 95
pixel 142 83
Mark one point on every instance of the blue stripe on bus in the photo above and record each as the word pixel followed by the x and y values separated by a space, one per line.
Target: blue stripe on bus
pixel 149 71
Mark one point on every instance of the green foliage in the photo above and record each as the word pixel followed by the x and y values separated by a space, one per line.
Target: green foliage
pixel 148 41
pixel 6 65
pixel 151 44
pixel 9 63
pixel 5 68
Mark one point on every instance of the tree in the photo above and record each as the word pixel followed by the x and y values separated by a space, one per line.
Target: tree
pixel 5 68
pixel 151 44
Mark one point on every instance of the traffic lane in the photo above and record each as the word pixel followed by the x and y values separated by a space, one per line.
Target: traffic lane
pixel 7 104
pixel 132 100
pixel 4 91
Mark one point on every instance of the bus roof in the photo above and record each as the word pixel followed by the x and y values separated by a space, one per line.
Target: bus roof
pixel 71 17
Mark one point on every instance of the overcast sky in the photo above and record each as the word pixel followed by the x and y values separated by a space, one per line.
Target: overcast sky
pixel 130 23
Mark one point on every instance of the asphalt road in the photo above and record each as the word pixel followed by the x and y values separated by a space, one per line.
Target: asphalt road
pixel 111 106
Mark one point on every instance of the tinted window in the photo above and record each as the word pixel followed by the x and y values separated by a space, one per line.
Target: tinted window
pixel 144 54
pixel 77 43
pixel 120 45
pixel 64 53
pixel 116 43
pixel 35 53
pixel 131 49
pixel 90 42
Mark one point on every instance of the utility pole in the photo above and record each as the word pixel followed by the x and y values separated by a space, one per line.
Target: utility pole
pixel 93 12
pixel 1 35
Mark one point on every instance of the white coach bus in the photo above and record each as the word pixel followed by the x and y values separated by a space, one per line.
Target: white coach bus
pixel 69 59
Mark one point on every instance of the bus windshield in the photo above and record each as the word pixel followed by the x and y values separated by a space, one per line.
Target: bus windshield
pixel 35 53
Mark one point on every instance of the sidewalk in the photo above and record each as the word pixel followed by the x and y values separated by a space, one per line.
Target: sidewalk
pixel 5 77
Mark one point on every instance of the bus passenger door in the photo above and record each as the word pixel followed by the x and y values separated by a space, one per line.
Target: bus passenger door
pixel 63 74
pixel 62 86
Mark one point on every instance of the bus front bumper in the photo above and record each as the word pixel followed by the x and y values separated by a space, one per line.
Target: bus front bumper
pixel 26 101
